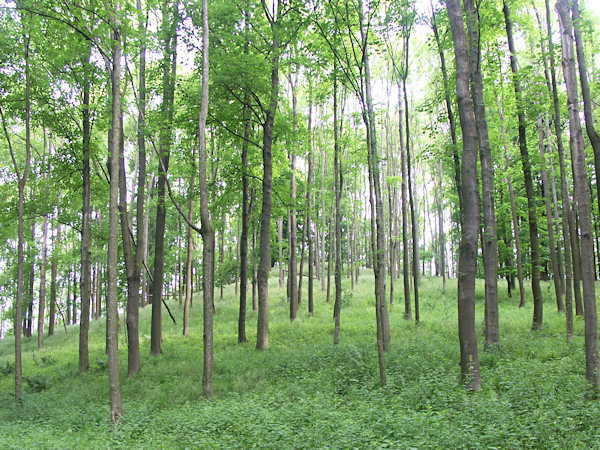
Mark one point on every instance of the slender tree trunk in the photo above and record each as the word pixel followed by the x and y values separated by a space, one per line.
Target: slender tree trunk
pixel 337 175
pixel 307 223
pixel 207 232
pixel 86 252
pixel 190 251
pixel 170 22
pixel 42 298
pixel 262 335
pixel 280 243
pixel 442 236
pixel 245 220
pixel 133 287
pixel 582 198
pixel 585 92
pixel 22 181
pixel 567 224
pixel 548 205
pixel 376 198
pixel 293 282
pixel 449 111
pixel 490 240
pixel 525 160
pixel 116 408
pixel 405 246
pixel 469 359
pixel 53 275
pixel 411 200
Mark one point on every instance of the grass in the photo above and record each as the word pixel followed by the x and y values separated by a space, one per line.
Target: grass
pixel 305 393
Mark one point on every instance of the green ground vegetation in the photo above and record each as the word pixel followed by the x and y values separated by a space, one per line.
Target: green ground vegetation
pixel 305 393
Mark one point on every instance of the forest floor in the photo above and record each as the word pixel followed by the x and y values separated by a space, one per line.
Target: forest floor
pixel 304 392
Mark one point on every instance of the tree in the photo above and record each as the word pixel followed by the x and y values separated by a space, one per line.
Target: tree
pixel 538 304
pixel 273 16
pixel 206 230
pixel 490 241
pixel 582 197
pixel 469 359
pixel 116 408
pixel 170 17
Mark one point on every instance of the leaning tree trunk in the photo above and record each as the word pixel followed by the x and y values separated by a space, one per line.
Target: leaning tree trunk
pixel 525 160
pixel 469 359
pixel 582 198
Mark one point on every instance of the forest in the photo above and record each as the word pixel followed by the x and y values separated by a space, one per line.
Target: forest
pixel 288 223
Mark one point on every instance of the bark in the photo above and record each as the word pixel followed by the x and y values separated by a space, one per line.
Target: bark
pixel 525 160
pixel 411 200
pixel 133 287
pixel 53 275
pixel 42 298
pixel 442 236
pixel 245 219
pixel 404 188
pixel 190 250
pixel 262 338
pixel 116 408
pixel 293 226
pixel 376 198
pixel 548 205
pixel 280 244
pixel 337 175
pixel 490 239
pixel 582 198
pixel 585 92
pixel 469 359
pixel 22 181
pixel 207 232
pixel 449 111
pixel 308 225
pixel 170 21
pixel 86 252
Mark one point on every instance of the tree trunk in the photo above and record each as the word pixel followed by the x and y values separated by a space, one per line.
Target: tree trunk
pixel 22 181
pixel 307 223
pixel 42 298
pixel 53 274
pixel 133 287
pixel 585 92
pixel 169 29
pixel 337 176
pixel 190 251
pixel 582 198
pixel 262 335
pixel 490 240
pixel 469 359
pixel 525 160
pixel 405 246
pixel 116 408
pixel 376 198
pixel 207 232
pixel 548 205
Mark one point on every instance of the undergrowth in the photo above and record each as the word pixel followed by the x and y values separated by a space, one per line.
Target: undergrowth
pixel 306 393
